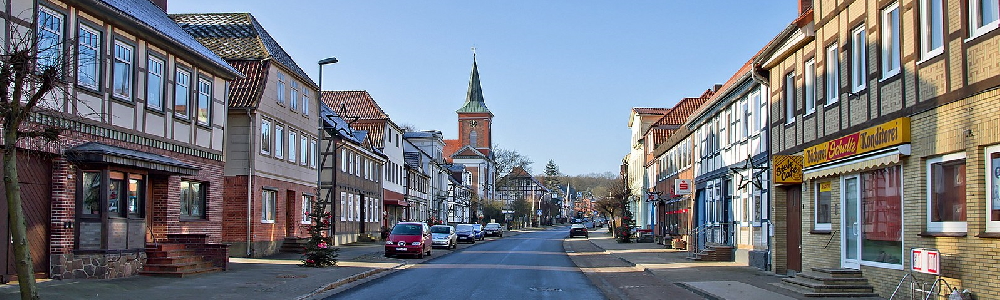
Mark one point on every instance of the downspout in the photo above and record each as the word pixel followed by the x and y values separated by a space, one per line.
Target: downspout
pixel 250 174
pixel 767 132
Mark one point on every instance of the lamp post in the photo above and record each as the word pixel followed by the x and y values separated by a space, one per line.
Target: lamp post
pixel 327 61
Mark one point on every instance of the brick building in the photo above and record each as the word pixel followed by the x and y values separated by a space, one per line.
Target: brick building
pixel 891 106
pixel 271 155
pixel 140 159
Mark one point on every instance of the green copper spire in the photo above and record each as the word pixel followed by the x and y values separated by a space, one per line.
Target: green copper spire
pixel 474 102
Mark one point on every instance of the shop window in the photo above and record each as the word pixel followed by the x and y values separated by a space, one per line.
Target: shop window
pixel 882 213
pixel 823 218
pixel 993 188
pixel 193 196
pixel 91 194
pixel 267 203
pixel 111 206
pixel 946 182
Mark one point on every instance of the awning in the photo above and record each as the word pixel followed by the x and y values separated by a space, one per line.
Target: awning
pixel 94 152
pixel 872 162
pixel 392 202
pixel 393 199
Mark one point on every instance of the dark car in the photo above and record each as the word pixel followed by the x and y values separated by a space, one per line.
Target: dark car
pixel 493 229
pixel 466 233
pixel 409 238
pixel 478 229
pixel 578 230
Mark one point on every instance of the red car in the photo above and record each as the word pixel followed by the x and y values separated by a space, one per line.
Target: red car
pixel 412 238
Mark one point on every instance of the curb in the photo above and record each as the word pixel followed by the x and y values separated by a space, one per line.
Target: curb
pixel 350 279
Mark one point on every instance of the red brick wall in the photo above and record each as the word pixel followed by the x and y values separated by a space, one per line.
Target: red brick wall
pixel 267 237
pixel 63 206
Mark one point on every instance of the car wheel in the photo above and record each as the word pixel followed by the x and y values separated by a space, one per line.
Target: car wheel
pixel 388 255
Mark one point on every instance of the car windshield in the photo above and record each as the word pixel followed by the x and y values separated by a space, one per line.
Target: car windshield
pixel 478 226
pixel 440 229
pixel 578 226
pixel 407 229
pixel 492 226
pixel 464 227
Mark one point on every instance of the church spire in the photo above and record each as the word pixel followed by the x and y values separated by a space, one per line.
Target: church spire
pixel 474 102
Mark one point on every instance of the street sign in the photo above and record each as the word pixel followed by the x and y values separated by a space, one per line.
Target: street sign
pixel 539 212
pixel 927 261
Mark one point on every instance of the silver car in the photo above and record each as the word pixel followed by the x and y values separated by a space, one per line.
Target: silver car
pixel 443 236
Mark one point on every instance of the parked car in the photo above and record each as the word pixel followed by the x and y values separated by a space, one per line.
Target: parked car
pixel 409 238
pixel 493 229
pixel 444 236
pixel 466 233
pixel 478 229
pixel 578 230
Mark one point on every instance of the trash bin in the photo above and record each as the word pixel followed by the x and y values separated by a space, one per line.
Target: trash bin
pixel 668 242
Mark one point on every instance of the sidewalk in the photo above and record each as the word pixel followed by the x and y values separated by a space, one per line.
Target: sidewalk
pixel 274 277
pixel 673 273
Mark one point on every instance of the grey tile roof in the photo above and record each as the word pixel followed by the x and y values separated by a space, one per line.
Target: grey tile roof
pixel 145 12
pixel 334 122
pixel 97 152
pixel 238 36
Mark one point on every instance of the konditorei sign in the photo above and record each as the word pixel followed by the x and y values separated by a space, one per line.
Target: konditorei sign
pixel 787 169
pixel 888 134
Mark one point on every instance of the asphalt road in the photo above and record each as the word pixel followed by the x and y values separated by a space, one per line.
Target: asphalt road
pixel 528 266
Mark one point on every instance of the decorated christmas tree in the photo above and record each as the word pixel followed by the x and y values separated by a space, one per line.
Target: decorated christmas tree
pixel 625 230
pixel 319 251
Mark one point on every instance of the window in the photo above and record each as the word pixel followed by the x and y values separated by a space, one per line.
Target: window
pixel 193 195
pixel 303 150
pixel 121 85
pixel 823 216
pixel 946 182
pixel 135 197
pixel 182 93
pixel 746 118
pixel 761 119
pixel 279 141
pixel 993 188
pixel 88 65
pixel 882 216
pixel 343 160
pixel 265 136
pixel 204 101
pixel 809 91
pixel 281 88
pixel 154 83
pixel 832 74
pixel 343 206
pixel 294 100
pixel 315 152
pixel 307 202
pixel 267 209
pixel 983 16
pixel 291 146
pixel 859 72
pixel 305 102
pixel 790 98
pixel 890 41
pixel 931 28
pixel 91 194
pixel 50 37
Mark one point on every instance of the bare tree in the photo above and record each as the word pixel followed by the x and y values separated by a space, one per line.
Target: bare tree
pixel 29 70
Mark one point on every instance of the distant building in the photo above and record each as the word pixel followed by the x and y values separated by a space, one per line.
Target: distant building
pixel 474 146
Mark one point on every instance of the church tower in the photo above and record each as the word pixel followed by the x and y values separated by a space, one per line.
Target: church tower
pixel 474 119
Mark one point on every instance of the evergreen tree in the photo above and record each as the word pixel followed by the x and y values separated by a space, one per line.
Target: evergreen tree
pixel 319 251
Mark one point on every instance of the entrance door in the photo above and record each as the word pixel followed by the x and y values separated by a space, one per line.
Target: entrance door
pixel 35 174
pixel 793 210
pixel 851 237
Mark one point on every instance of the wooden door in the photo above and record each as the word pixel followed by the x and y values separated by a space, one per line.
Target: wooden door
pixel 35 176
pixel 794 227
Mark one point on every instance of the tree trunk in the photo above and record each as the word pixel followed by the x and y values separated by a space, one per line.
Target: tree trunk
pixel 18 223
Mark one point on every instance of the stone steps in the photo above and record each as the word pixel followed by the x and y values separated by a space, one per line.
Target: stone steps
pixel 824 282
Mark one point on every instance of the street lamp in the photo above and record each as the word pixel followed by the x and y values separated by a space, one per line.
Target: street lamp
pixel 327 61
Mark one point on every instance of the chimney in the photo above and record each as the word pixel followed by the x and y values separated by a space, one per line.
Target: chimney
pixel 162 4
pixel 804 6
pixel 716 87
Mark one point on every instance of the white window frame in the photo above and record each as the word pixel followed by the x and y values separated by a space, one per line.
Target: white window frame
pixel 927 31
pixel 265 136
pixel 789 95
pixel 124 61
pixel 952 226
pixel 204 102
pixel 315 151
pixel 293 100
pixel 267 206
pixel 279 141
pixel 93 45
pixel 305 101
pixel 343 160
pixel 891 27
pixel 303 150
pixel 281 88
pixel 55 44
pixel 832 74
pixel 816 224
pixel 809 90
pixel 186 95
pixel 992 187
pixel 157 72
pixel 975 28
pixel 306 209
pixel 343 206
pixel 859 60
pixel 292 141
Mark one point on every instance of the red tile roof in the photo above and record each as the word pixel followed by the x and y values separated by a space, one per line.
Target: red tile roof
pixel 450 147
pixel 355 103
pixel 246 92
pixel 376 131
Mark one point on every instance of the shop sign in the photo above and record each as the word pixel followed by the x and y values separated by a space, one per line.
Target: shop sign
pixel 825 187
pixel 885 135
pixel 927 261
pixel 682 187
pixel 787 169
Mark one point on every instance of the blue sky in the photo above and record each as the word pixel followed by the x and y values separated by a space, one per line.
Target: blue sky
pixel 560 76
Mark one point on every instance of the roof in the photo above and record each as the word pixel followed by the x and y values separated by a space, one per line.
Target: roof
pixel 474 101
pixel 450 147
pixel 468 151
pixel 94 152
pixel 238 36
pixel 376 132
pixel 246 92
pixel 650 110
pixel 157 22
pixel 333 122
pixel 359 104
